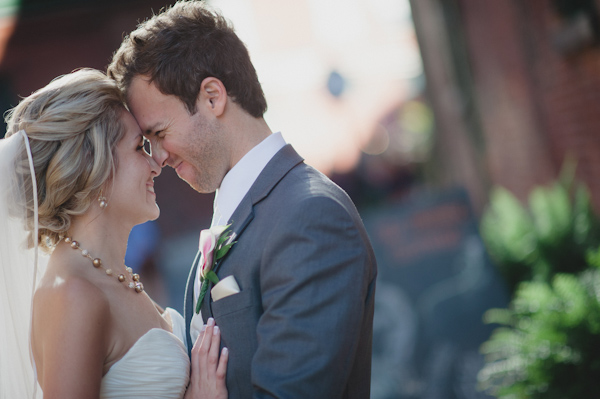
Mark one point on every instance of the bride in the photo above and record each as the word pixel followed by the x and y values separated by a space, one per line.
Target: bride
pixel 75 177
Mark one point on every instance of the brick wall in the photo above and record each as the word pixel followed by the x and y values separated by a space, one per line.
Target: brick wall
pixel 534 104
pixel 567 89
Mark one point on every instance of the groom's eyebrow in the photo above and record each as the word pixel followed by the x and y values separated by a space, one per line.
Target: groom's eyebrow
pixel 153 130
pixel 157 127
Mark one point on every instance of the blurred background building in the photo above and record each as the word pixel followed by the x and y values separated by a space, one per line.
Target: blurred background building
pixel 416 108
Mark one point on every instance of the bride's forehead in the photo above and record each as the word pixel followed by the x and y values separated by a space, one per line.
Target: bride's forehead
pixel 130 124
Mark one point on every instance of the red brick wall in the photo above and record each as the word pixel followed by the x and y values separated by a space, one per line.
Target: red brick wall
pixel 515 150
pixel 567 89
pixel 536 105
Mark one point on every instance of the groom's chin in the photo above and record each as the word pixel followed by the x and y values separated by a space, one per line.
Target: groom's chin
pixel 198 186
pixel 200 189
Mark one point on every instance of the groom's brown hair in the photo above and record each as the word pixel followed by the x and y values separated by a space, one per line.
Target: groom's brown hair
pixel 180 47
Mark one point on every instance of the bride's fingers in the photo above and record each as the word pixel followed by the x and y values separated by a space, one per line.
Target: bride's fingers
pixel 222 368
pixel 208 333
pixel 195 358
pixel 213 354
pixel 205 345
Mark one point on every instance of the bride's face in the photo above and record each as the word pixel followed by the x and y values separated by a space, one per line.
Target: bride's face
pixel 133 194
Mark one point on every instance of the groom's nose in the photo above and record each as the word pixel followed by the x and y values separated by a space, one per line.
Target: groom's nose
pixel 159 154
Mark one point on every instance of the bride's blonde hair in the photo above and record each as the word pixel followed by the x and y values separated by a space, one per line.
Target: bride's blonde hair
pixel 73 125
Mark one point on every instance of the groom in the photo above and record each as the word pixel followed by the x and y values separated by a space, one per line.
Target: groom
pixel 301 324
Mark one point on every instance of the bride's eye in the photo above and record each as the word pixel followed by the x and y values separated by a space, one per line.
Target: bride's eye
pixel 145 145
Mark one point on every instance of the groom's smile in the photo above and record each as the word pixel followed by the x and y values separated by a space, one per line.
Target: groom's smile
pixel 191 143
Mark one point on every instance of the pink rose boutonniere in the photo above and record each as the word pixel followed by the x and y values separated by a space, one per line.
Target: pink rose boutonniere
pixel 214 245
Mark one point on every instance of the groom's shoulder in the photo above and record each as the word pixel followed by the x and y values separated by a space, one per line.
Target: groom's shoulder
pixel 304 188
pixel 305 181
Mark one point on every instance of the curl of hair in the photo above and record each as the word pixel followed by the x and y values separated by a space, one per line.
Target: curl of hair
pixel 180 47
pixel 73 125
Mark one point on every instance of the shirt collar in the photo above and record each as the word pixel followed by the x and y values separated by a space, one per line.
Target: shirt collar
pixel 241 177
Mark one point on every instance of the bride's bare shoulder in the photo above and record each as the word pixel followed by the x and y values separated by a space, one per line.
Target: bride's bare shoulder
pixel 64 297
pixel 71 321
pixel 67 282
pixel 70 288
pixel 71 316
pixel 67 304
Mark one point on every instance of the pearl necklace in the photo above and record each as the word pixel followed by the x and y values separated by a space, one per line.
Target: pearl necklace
pixel 135 284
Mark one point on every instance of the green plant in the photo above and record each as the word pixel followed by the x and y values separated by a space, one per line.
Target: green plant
pixel 549 343
pixel 549 236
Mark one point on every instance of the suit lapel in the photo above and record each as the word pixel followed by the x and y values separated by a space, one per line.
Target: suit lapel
pixel 284 161
pixel 244 213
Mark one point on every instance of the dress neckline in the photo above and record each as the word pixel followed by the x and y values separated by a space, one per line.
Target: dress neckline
pixel 140 339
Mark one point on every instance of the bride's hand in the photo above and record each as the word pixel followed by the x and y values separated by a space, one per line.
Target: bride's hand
pixel 207 379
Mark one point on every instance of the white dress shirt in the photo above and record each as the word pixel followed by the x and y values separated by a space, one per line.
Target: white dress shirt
pixel 234 187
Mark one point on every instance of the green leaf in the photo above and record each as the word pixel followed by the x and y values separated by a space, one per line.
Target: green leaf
pixel 212 277
pixel 223 250
pixel 593 257
pixel 201 296
pixel 552 213
pixel 223 239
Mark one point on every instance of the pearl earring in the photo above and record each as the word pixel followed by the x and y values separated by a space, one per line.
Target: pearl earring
pixel 102 201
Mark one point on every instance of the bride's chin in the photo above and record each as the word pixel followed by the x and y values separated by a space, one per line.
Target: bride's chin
pixel 155 214
pixel 149 216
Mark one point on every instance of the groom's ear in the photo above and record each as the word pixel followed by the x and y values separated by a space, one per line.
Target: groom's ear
pixel 212 96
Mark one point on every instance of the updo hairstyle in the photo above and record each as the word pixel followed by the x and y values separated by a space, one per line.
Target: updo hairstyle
pixel 73 125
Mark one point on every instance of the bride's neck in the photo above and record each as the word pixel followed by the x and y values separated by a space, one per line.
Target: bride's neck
pixel 103 238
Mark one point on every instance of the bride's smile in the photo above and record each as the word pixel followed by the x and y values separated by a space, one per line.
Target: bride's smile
pixel 133 185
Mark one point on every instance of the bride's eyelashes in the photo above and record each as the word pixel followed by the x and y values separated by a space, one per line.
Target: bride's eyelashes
pixel 145 145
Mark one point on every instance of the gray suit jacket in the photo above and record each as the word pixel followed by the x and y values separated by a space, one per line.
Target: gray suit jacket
pixel 302 325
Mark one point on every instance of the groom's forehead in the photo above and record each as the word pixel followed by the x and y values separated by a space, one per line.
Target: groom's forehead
pixel 142 102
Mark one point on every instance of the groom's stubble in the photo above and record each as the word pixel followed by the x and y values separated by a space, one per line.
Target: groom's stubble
pixel 208 154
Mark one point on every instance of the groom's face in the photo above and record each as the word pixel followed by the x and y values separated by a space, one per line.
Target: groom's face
pixel 191 144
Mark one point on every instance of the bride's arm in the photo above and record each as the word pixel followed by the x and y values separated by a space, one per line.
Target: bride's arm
pixel 70 339
pixel 207 379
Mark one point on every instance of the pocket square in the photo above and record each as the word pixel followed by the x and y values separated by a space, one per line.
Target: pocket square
pixel 224 288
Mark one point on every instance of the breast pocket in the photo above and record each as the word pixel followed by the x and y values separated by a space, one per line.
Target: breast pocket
pixel 233 303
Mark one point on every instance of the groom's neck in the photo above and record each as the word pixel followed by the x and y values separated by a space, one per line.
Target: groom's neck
pixel 245 134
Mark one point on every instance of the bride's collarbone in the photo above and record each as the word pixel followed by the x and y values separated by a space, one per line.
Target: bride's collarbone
pixel 131 312
pixel 134 313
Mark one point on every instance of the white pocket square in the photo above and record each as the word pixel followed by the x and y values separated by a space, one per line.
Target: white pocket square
pixel 224 288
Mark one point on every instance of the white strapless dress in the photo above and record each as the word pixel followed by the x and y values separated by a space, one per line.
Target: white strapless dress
pixel 156 366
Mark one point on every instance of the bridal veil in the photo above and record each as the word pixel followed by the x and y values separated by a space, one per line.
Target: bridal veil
pixel 20 267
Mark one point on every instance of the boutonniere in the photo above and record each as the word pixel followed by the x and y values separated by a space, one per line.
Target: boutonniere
pixel 214 245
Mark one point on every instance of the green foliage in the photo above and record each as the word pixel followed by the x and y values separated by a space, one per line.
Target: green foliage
pixel 548 342
pixel 508 232
pixel 551 236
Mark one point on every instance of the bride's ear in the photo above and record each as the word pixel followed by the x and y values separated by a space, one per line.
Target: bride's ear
pixel 212 96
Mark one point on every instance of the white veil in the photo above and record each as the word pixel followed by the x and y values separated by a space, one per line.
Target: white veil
pixel 20 267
